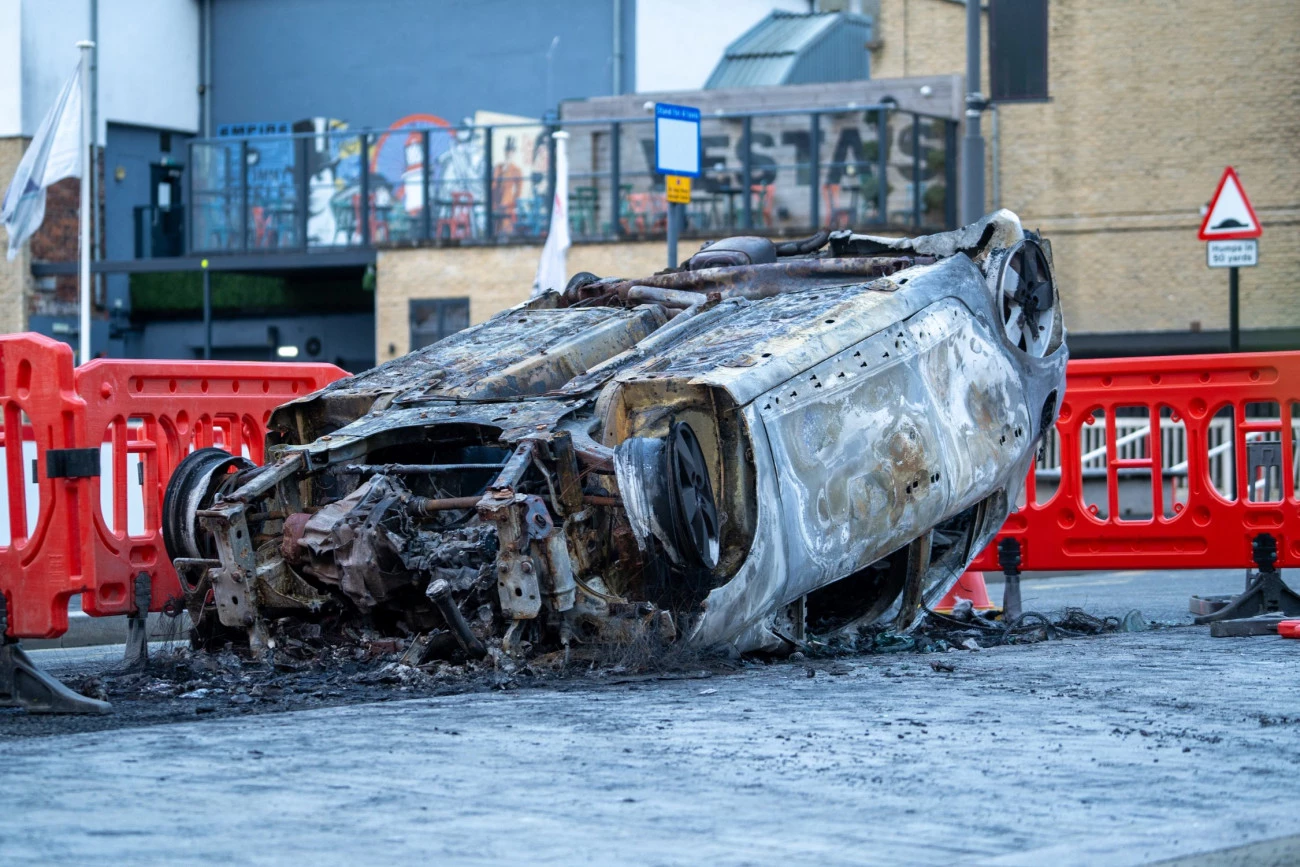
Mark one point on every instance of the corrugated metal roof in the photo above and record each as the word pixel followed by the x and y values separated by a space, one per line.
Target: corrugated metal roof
pixel 768 51
pixel 781 33
pixel 751 71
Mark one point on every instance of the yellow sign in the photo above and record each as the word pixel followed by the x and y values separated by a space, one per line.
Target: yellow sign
pixel 679 190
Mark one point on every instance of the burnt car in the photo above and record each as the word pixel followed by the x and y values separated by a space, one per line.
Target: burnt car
pixel 771 443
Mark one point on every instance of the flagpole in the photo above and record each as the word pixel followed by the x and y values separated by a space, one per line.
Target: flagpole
pixel 86 169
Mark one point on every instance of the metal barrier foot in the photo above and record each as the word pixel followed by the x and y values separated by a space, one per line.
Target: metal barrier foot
pixel 1202 605
pixel 1264 624
pixel 137 626
pixel 24 685
pixel 1266 592
pixel 1009 560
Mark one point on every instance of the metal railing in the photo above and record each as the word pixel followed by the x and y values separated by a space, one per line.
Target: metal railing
pixel 778 172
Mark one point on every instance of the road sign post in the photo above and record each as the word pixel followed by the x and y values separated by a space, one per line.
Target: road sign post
pixel 1234 311
pixel 677 157
pixel 1230 230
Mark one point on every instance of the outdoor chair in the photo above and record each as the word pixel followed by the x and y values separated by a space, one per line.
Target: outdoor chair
pixel 838 215
pixel 458 220
pixel 344 220
pixel 764 202
pixel 582 210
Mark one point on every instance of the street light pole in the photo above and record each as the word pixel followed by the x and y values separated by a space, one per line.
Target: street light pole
pixel 972 146
pixel 83 280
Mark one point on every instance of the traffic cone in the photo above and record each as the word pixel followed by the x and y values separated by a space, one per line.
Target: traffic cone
pixel 969 586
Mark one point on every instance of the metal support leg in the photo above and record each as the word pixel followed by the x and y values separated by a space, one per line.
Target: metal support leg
pixel 918 564
pixel 439 591
pixel 1009 560
pixel 1265 592
pixel 137 626
pixel 24 685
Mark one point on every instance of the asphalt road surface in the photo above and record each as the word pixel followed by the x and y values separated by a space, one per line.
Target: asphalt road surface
pixel 1124 749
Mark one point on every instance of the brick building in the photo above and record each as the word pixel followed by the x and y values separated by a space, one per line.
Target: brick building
pixel 1149 102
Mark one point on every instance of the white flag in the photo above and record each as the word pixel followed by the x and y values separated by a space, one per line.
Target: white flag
pixel 552 270
pixel 54 154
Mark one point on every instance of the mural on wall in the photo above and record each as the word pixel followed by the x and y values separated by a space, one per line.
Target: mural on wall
pixel 305 178
pixel 521 157
pixel 487 176
pixel 331 161
pixel 397 174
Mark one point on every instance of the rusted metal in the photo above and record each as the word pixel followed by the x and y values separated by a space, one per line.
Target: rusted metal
pixel 756 281
pixel 195 562
pixel 514 468
pixel 291 534
pixel 565 460
pixel 599 500
pixel 656 295
pixel 429 505
pixel 417 469
pixel 440 592
pixel 597 458
pixel 918 563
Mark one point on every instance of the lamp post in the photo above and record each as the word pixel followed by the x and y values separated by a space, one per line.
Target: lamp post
pixel 972 146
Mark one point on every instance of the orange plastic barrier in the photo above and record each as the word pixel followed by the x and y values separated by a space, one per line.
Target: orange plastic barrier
pixel 156 411
pixel 1207 529
pixel 42 567
pixel 161 411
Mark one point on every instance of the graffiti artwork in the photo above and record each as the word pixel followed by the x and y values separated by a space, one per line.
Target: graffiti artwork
pixel 487 176
pixel 850 163
pixel 330 161
pixel 520 165
pixel 303 184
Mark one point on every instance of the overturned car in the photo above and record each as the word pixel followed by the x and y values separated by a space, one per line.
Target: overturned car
pixel 774 442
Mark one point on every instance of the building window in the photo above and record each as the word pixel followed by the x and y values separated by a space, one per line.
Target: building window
pixel 432 319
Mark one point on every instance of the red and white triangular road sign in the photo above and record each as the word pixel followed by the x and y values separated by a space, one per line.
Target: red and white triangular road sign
pixel 1230 218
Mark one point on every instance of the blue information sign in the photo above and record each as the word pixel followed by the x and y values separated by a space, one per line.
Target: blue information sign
pixel 677 140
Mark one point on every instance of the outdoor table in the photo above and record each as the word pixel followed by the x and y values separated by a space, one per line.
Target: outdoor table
pixel 731 193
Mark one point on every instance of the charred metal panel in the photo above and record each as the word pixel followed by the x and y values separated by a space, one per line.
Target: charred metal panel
pixel 883 442
pixel 534 351
pixel 523 351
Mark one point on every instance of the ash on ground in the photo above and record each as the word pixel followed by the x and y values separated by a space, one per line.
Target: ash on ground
pixel 965 628
pixel 309 666
pixel 318 665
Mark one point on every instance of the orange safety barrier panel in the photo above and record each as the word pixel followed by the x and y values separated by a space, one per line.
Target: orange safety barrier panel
pixel 154 411
pixel 44 565
pixel 160 411
pixel 1197 528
